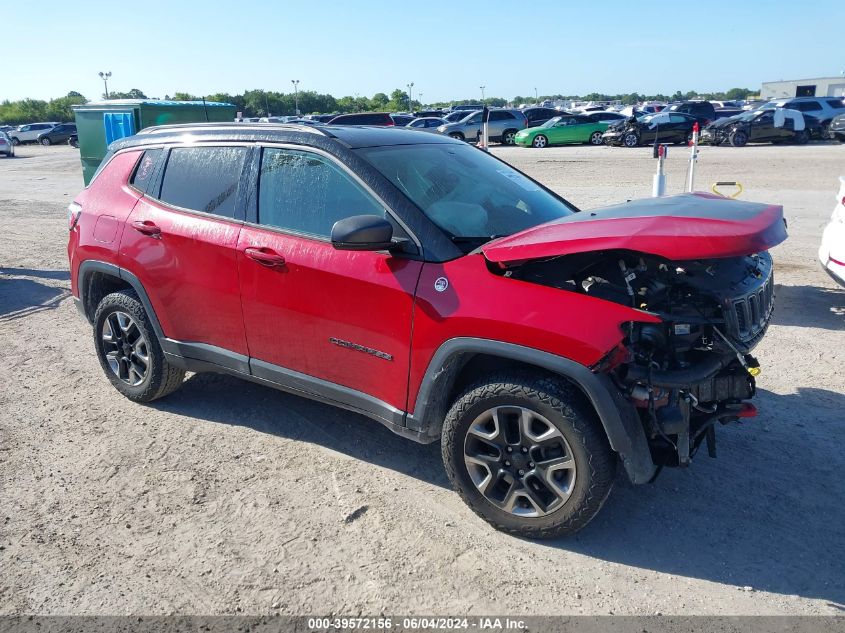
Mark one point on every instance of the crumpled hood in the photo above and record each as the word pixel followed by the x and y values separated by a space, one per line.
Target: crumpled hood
pixel 724 122
pixel 685 226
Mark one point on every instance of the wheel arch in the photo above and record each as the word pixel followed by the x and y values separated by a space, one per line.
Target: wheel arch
pixel 97 279
pixel 459 361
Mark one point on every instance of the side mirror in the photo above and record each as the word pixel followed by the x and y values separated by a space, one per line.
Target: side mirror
pixel 362 233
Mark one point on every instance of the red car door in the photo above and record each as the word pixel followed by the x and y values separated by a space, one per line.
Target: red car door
pixel 338 316
pixel 180 242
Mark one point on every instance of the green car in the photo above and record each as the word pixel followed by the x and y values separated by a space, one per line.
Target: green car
pixel 569 128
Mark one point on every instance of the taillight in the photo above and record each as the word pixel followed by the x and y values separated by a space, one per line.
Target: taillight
pixel 74 210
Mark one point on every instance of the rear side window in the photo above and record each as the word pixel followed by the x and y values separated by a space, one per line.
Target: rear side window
pixel 808 106
pixel 145 171
pixel 837 104
pixel 203 179
pixel 307 193
pixel 501 115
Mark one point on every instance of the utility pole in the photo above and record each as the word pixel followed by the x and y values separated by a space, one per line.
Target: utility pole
pixel 105 78
pixel 482 93
pixel 267 104
pixel 419 96
pixel 410 100
pixel 295 83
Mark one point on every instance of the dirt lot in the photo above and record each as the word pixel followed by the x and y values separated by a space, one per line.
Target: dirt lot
pixel 230 497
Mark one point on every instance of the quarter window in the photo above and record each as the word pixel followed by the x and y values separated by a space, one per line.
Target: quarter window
pixel 203 179
pixel 307 193
pixel 145 170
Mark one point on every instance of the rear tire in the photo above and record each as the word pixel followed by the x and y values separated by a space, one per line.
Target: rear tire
pixel 129 352
pixel 508 137
pixel 553 488
pixel 457 135
pixel 596 138
pixel 738 138
pixel 45 142
pixel 15 141
pixel 802 137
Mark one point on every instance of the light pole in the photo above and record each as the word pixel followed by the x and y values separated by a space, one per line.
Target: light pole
pixel 105 78
pixel 295 83
pixel 535 95
pixel 482 93
pixel 419 96
pixel 267 105
pixel 410 100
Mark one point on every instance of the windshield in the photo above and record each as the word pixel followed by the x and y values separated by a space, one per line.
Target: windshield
pixel 469 194
pixel 551 122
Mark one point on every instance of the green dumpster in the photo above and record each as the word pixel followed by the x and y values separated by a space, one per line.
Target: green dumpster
pixel 99 123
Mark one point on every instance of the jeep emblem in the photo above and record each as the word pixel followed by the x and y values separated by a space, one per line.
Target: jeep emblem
pixel 441 284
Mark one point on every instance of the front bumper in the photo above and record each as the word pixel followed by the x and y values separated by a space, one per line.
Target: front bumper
pixel 612 138
pixel 524 141
pixel 712 137
pixel 832 251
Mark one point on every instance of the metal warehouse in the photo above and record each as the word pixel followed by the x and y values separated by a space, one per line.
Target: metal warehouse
pixel 818 87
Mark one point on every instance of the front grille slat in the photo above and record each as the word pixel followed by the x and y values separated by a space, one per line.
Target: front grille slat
pixel 750 313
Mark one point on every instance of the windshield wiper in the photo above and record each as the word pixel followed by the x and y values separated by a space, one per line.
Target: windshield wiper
pixel 471 239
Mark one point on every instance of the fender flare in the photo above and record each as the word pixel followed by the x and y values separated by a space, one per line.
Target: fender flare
pixel 91 266
pixel 618 417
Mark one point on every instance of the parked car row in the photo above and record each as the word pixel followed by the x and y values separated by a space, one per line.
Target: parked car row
pixel 46 133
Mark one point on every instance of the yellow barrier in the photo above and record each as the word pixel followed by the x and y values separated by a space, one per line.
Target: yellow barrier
pixel 716 185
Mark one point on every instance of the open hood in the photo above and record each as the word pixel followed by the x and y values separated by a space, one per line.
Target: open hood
pixel 686 226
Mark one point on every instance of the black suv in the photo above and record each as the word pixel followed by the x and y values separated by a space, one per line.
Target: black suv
pixel 537 116
pixel 703 111
pixel 364 118
pixel 59 134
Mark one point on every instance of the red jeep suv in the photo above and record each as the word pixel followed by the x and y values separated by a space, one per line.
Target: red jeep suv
pixel 432 287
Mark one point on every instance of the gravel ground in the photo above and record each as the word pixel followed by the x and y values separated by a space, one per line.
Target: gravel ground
pixel 228 497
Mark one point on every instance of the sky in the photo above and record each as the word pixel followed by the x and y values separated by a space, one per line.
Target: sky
pixel 369 46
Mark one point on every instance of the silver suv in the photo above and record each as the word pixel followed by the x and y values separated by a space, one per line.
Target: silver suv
pixel 502 126
pixel 822 108
pixel 29 133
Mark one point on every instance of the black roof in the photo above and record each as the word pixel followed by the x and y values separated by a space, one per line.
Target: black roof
pixel 351 136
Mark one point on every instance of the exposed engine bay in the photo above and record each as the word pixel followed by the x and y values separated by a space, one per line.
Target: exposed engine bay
pixel 692 370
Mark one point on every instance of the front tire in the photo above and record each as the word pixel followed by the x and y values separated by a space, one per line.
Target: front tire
pixel 738 138
pixel 630 140
pixel 129 352
pixel 45 142
pixel 528 455
pixel 802 137
pixel 540 141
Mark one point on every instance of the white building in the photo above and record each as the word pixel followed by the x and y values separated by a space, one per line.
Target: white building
pixel 819 87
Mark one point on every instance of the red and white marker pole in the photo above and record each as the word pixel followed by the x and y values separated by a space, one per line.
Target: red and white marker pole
pixel 693 157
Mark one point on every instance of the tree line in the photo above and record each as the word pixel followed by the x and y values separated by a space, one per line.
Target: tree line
pixel 259 103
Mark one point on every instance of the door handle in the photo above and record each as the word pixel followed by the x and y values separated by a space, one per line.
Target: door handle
pixel 147 228
pixel 265 257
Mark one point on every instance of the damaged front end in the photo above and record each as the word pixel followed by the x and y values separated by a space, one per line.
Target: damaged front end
pixel 693 369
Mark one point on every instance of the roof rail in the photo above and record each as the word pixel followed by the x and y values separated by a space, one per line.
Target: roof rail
pixel 298 127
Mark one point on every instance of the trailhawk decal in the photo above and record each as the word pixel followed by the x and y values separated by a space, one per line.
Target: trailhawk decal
pixel 360 348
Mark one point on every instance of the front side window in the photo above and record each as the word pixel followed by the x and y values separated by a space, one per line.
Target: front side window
pixel 203 179
pixel 466 192
pixel 308 193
